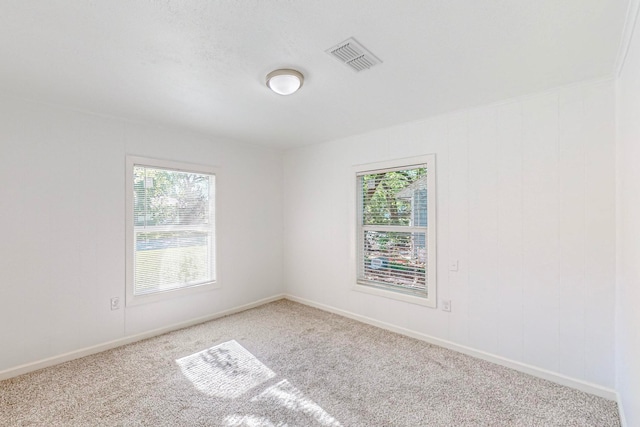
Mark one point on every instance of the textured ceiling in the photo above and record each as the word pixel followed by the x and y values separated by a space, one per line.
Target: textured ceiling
pixel 200 64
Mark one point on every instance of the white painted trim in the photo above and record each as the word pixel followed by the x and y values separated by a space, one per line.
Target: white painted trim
pixel 131 161
pixel 87 351
pixel 587 387
pixel 633 10
pixel 355 208
pixel 623 419
pixel 393 294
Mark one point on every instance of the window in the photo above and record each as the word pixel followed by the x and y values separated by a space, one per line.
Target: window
pixel 170 229
pixel 396 229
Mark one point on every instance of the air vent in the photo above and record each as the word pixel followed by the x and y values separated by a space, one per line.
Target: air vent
pixel 353 54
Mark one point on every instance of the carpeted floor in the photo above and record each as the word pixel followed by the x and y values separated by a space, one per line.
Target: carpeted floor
pixel 285 364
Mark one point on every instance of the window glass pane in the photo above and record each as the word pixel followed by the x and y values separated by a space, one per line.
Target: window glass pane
pixel 170 260
pixel 395 258
pixel 395 197
pixel 163 197
pixel 174 239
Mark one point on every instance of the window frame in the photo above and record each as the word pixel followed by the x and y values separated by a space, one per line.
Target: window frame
pixel 131 298
pixel 361 285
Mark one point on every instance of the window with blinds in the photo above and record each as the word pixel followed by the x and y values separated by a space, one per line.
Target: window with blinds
pixel 171 231
pixel 396 227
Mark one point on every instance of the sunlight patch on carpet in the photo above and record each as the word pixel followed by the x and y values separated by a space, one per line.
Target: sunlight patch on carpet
pixel 226 370
pixel 288 396
pixel 249 421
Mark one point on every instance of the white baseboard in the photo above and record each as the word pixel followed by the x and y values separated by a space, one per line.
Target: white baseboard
pixel 587 387
pixel 87 351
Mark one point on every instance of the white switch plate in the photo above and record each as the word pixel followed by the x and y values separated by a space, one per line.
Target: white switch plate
pixel 453 265
pixel 115 303
pixel 446 305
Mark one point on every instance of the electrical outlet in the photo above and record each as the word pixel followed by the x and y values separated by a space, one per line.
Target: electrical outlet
pixel 115 303
pixel 446 305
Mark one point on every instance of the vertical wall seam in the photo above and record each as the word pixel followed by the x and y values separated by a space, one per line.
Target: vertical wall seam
pixel 583 353
pixel 500 284
pixel 520 107
pixel 449 248
pixel 558 233
pixel 468 275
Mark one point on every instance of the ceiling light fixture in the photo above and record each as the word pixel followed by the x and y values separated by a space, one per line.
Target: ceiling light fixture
pixel 285 81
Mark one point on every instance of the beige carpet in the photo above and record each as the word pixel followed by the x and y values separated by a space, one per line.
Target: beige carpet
pixel 285 364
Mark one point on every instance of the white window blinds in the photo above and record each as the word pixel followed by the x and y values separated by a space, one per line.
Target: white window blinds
pixel 393 229
pixel 173 229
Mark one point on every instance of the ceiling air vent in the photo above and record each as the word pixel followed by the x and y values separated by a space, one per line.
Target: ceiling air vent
pixel 353 54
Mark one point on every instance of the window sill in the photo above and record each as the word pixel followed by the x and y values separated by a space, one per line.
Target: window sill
pixel 387 293
pixel 170 294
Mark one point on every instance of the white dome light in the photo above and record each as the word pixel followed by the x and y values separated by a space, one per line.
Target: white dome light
pixel 285 82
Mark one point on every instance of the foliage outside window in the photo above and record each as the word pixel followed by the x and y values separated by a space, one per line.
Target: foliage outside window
pixel 172 228
pixel 396 228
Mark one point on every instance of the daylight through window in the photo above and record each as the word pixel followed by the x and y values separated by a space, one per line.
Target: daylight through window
pixel 173 229
pixel 396 228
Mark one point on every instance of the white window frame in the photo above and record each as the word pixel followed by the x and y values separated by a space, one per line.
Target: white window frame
pixel 131 298
pixel 430 299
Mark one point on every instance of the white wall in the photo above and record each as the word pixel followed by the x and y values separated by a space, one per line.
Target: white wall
pixel 62 249
pixel 628 243
pixel 526 203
